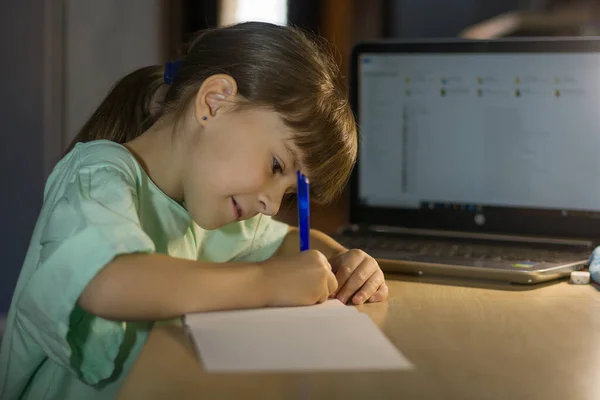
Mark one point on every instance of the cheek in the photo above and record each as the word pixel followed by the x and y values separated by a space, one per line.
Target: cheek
pixel 242 174
pixel 219 169
pixel 246 181
pixel 197 181
pixel 220 179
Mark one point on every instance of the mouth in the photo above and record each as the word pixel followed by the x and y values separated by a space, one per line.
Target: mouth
pixel 237 209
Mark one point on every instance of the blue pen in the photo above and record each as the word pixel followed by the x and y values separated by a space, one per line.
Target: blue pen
pixel 303 211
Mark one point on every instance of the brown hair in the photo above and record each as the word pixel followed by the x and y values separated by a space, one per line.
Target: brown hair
pixel 277 67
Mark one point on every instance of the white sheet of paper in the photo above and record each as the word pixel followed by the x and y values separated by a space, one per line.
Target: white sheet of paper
pixel 325 337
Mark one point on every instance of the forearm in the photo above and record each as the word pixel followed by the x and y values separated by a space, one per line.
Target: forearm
pixel 318 241
pixel 155 286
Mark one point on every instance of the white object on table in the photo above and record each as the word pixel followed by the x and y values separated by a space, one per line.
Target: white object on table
pixel 580 277
pixel 325 337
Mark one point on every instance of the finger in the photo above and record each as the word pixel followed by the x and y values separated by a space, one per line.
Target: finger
pixel 358 278
pixel 347 265
pixel 335 262
pixel 332 284
pixel 338 260
pixel 381 294
pixel 369 288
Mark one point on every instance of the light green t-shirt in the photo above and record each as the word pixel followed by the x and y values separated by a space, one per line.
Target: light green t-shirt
pixel 99 203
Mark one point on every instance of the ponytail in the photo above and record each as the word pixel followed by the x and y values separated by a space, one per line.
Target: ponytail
pixel 127 111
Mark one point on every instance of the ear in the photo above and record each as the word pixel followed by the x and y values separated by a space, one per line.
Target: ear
pixel 215 95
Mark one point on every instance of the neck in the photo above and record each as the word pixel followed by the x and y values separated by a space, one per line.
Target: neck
pixel 156 152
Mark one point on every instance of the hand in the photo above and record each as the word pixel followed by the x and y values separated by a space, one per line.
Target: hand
pixel 299 279
pixel 359 277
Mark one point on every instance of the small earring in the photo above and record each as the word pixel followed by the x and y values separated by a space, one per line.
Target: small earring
pixel 204 118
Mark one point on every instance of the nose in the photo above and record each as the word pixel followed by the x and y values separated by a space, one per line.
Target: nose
pixel 270 200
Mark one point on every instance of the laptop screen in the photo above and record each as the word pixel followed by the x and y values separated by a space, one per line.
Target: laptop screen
pixel 498 136
pixel 467 130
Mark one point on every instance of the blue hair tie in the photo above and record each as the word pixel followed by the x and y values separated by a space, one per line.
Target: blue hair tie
pixel 171 70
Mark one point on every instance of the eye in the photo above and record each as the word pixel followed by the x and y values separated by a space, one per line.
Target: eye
pixel 276 167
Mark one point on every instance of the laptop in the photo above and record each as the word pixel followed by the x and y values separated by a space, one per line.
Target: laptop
pixel 478 159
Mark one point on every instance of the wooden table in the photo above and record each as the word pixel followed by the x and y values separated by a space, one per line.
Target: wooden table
pixel 467 342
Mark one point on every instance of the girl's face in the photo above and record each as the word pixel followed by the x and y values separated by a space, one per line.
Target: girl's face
pixel 238 165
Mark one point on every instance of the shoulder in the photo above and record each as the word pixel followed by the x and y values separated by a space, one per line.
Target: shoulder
pixel 95 162
pixel 104 154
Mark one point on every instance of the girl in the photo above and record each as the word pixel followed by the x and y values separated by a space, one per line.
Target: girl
pixel 163 207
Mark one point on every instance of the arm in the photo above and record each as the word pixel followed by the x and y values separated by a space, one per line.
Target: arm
pixel 155 286
pixel 318 241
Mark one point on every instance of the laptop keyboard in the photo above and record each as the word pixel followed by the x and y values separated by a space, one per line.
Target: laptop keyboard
pixel 463 250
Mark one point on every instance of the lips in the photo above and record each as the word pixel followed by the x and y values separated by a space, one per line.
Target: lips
pixel 237 210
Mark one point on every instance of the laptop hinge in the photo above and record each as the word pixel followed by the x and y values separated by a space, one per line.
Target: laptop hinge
pixel 480 236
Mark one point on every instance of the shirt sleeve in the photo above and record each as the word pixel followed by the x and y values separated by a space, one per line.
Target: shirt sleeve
pixel 268 236
pixel 92 221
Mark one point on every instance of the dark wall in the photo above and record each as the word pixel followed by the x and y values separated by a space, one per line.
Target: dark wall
pixel 32 70
pixel 21 145
pixel 305 14
pixel 198 15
